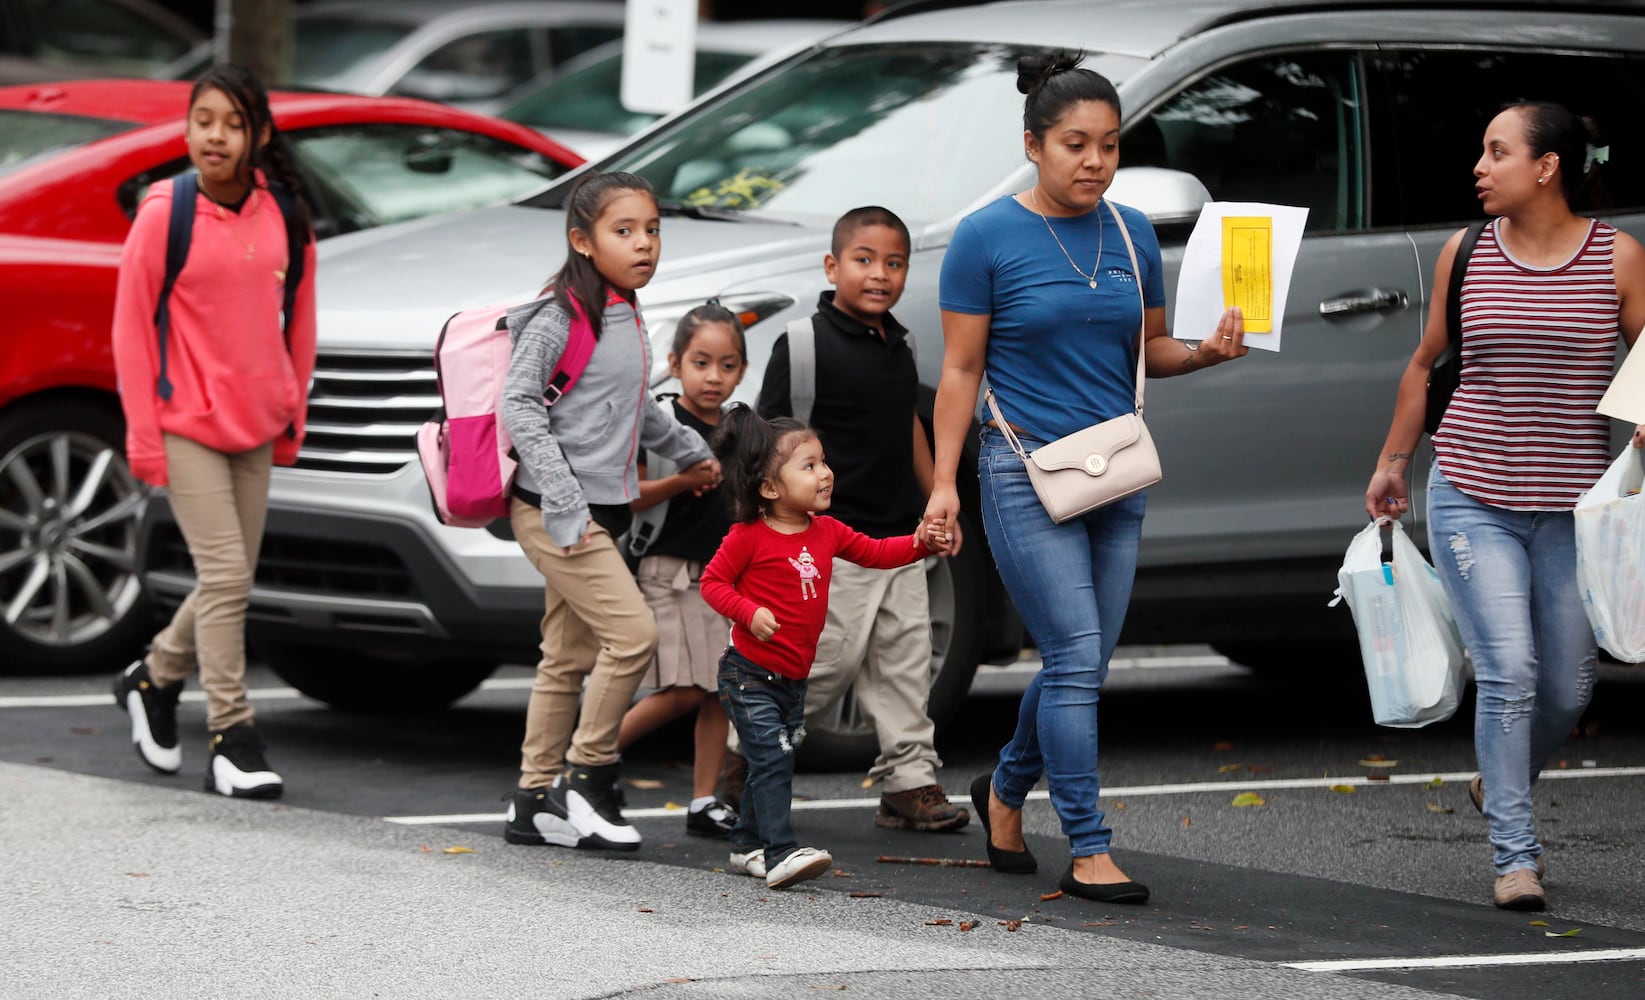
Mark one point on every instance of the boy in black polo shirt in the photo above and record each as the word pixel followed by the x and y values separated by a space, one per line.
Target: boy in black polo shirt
pixel 878 635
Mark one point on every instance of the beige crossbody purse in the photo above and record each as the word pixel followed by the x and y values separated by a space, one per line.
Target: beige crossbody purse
pixel 1102 463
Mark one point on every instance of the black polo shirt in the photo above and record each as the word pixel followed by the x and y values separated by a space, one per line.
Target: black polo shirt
pixel 694 525
pixel 864 415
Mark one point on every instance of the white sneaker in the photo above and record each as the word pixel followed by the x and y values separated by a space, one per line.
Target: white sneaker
pixel 748 863
pixel 805 863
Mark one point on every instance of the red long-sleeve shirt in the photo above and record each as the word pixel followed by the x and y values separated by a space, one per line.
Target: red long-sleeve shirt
pixel 759 567
pixel 236 382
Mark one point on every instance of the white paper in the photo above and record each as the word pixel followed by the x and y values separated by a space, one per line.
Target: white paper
pixel 1625 399
pixel 1199 301
pixel 659 55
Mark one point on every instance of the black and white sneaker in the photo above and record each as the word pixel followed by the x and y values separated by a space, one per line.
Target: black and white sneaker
pixel 537 816
pixel 713 820
pixel 153 712
pixel 237 767
pixel 593 805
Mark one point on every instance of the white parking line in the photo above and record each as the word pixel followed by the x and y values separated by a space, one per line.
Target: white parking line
pixel 1131 792
pixel 255 694
pixel 1471 961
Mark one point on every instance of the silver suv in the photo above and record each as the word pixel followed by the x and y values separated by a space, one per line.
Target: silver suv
pixel 1367 114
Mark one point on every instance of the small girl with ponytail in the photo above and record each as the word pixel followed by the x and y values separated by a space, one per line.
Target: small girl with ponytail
pixel 230 401
pixel 576 478
pixel 770 577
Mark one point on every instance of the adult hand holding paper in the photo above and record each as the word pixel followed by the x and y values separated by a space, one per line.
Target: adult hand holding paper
pixel 1240 254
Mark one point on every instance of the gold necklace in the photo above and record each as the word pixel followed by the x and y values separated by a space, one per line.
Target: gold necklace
pixel 234 227
pixel 1096 265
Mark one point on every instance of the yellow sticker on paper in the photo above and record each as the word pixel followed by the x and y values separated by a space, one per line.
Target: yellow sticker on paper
pixel 1248 269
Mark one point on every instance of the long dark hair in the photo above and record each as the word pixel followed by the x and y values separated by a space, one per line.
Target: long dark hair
pixel 1053 81
pixel 750 450
pixel 578 277
pixel 250 98
pixel 1552 128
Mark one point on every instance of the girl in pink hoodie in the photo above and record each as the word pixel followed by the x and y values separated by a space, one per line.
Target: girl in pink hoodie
pixel 211 410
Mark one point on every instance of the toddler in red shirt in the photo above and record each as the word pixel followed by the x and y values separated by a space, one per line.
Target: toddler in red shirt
pixel 770 577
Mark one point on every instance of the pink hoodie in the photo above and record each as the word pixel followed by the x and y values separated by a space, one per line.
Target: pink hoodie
pixel 235 384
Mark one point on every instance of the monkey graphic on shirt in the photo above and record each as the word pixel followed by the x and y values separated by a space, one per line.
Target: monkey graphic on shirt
pixel 807 567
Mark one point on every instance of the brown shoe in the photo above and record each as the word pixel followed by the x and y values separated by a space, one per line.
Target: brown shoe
pixel 1476 793
pixel 728 786
pixel 1520 889
pixel 926 808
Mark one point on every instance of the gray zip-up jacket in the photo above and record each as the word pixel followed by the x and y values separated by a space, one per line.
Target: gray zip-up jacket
pixel 583 450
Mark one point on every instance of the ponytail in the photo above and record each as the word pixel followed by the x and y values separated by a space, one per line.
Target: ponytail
pixel 750 450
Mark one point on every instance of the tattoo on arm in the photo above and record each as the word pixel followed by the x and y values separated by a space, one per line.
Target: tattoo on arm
pixel 1399 456
pixel 1190 357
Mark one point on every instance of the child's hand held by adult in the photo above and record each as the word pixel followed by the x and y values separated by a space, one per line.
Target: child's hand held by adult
pixel 763 625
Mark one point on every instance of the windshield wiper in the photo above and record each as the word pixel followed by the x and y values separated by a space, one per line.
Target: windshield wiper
pixel 714 213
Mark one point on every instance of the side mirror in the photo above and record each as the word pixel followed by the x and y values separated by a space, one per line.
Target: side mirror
pixel 1167 197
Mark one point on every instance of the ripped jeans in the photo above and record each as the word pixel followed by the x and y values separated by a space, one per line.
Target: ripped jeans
pixel 768 710
pixel 1511 577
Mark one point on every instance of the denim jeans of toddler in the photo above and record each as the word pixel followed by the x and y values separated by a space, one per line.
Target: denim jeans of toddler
pixel 1511 578
pixel 768 710
pixel 1071 583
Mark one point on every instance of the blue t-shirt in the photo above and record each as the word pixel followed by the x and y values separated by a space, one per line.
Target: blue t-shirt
pixel 1061 356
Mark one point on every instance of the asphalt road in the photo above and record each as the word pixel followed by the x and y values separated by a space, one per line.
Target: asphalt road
pixel 1318 877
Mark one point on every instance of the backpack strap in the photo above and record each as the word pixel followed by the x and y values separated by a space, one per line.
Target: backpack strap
pixel 579 347
pixel 648 523
pixel 179 234
pixel 802 368
pixel 296 247
pixel 1453 297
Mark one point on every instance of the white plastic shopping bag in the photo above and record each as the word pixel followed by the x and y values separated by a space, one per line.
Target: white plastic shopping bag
pixel 1610 556
pixel 1414 664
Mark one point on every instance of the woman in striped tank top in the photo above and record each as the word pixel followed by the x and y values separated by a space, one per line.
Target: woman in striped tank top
pixel 1544 297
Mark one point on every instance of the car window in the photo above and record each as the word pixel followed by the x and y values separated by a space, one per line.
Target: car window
pixel 927 128
pixel 571 40
pixel 587 98
pixel 371 175
pixel 29 136
pixel 340 52
pixel 475 68
pixel 1430 143
pixel 1282 129
pixel 98 33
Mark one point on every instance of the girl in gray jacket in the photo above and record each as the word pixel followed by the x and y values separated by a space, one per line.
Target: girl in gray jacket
pixel 572 489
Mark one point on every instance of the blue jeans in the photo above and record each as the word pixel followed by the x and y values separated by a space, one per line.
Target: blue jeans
pixel 1511 577
pixel 768 710
pixel 1071 583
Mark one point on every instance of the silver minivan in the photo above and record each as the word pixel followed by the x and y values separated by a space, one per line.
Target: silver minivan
pixel 1369 115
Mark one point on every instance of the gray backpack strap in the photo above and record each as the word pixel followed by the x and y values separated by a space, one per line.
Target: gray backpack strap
pixel 802 367
pixel 648 523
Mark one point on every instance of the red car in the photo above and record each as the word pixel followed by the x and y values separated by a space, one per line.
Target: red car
pixel 75 159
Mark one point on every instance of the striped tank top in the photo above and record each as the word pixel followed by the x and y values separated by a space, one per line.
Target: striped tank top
pixel 1538 348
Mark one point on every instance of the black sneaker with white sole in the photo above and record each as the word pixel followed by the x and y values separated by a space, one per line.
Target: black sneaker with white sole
pixel 153 712
pixel 537 816
pixel 237 767
pixel 593 805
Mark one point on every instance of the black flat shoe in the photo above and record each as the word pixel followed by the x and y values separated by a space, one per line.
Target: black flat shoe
pixel 1011 862
pixel 1107 892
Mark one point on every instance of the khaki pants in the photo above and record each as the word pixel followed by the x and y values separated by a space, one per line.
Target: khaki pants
pixel 595 626
pixel 220 501
pixel 878 638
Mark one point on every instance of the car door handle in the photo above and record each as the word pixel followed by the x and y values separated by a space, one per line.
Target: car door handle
pixel 1364 301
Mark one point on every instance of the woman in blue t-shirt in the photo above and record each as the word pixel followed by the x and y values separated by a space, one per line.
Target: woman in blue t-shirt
pixel 1039 293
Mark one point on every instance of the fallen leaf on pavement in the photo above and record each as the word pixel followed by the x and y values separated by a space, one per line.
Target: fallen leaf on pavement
pixel 647 784
pixel 1245 799
pixel 1540 923
pixel 1573 932
pixel 1051 895
pixel 1344 789
pixel 138 874
pixel 646 909
pixel 678 979
pixel 673 807
pixel 841 873
pixel 867 895
pixel 458 850
pixel 1011 925
pixel 1224 769
pixel 1435 807
pixel 943 922
pixel 868 782
pixel 1186 823
pixel 1119 805
pixel 966 925
pixel 1437 782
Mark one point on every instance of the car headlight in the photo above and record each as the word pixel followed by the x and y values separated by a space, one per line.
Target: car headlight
pixel 750 307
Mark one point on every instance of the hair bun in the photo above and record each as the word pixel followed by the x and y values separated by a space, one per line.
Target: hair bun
pixel 1034 70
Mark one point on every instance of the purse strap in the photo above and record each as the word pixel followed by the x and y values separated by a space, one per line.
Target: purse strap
pixel 1142 332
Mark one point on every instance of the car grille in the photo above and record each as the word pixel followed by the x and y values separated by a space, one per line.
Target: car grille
pixel 325 566
pixel 364 411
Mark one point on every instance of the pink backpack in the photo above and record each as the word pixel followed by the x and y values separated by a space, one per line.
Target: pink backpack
pixel 465 450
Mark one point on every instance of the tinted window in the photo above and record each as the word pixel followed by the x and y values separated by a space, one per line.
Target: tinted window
pixel 571 40
pixel 587 98
pixel 370 175
pixel 339 52
pixel 1435 106
pixel 98 33
pixel 26 136
pixel 475 68
pixel 1281 129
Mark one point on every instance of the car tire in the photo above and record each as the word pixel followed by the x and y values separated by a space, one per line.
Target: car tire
pixel 71 597
pixel 839 737
pixel 371 684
